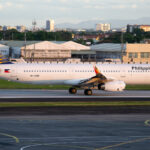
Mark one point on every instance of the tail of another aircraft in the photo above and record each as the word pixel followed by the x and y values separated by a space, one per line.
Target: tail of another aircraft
pixel 4 60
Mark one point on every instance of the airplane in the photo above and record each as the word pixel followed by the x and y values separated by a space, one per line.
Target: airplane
pixel 108 77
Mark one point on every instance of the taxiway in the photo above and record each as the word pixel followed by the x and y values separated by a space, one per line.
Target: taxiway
pixel 96 132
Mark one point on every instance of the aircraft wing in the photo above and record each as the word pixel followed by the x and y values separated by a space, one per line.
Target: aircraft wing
pixel 108 84
pixel 99 78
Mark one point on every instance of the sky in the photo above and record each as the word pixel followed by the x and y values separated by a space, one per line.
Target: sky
pixel 23 12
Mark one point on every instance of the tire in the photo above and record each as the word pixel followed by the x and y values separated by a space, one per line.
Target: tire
pixel 72 90
pixel 88 92
pixel 100 86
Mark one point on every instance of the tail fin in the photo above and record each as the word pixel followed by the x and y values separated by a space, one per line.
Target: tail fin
pixel 96 70
pixel 100 75
pixel 4 60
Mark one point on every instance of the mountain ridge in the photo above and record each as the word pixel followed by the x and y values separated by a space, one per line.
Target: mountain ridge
pixel 115 23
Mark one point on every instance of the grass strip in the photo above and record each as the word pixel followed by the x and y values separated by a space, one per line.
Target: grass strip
pixel 4 84
pixel 75 104
pixel 138 87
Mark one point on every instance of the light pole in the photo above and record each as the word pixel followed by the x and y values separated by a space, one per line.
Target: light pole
pixel 25 43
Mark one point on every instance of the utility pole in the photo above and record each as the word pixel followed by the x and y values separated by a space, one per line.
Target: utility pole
pixel 32 53
pixel 25 43
pixel 122 46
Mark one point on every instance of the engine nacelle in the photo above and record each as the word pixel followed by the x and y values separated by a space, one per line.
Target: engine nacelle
pixel 114 86
pixel 72 82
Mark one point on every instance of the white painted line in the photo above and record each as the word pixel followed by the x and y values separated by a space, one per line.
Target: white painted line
pixel 25 147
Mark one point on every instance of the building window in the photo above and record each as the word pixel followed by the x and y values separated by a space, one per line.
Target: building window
pixel 145 55
pixel 133 55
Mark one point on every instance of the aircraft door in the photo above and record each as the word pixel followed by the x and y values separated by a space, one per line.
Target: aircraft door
pixel 123 74
pixel 13 75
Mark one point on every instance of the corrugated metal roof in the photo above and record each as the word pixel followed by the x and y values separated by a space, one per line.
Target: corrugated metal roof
pixel 46 45
pixel 4 46
pixel 18 43
pixel 108 47
pixel 75 46
pixel 59 42
pixel 51 44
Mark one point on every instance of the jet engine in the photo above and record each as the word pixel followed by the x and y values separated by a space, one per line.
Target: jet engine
pixel 73 82
pixel 114 86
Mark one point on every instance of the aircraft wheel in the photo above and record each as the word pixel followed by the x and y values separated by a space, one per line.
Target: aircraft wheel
pixel 100 86
pixel 88 92
pixel 72 90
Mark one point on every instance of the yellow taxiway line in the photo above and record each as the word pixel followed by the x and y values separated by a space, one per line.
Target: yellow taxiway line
pixel 11 136
pixel 147 123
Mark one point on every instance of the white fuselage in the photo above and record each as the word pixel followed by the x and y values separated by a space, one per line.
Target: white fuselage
pixel 65 73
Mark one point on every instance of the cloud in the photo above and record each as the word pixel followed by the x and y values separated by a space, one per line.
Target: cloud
pixel 8 4
pixel 86 1
pixel 119 7
pixel 19 6
pixel 134 6
pixel 99 7
pixel 63 9
pixel 48 1
pixel 63 1
pixel 1 7
pixel 67 10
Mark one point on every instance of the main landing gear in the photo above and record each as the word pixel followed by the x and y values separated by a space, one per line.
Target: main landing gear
pixel 86 91
pixel 72 90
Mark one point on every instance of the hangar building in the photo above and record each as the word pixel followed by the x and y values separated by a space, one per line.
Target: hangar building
pixel 4 50
pixel 45 50
pixel 108 51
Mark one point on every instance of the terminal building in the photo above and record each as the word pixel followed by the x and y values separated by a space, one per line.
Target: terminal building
pixel 137 53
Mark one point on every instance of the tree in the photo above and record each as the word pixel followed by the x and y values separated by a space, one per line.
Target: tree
pixel 38 36
pixel 1 36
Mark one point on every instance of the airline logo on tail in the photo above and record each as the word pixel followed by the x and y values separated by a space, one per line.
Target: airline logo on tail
pixel 96 70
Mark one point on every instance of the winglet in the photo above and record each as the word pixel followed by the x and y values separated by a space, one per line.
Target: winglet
pixel 96 70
